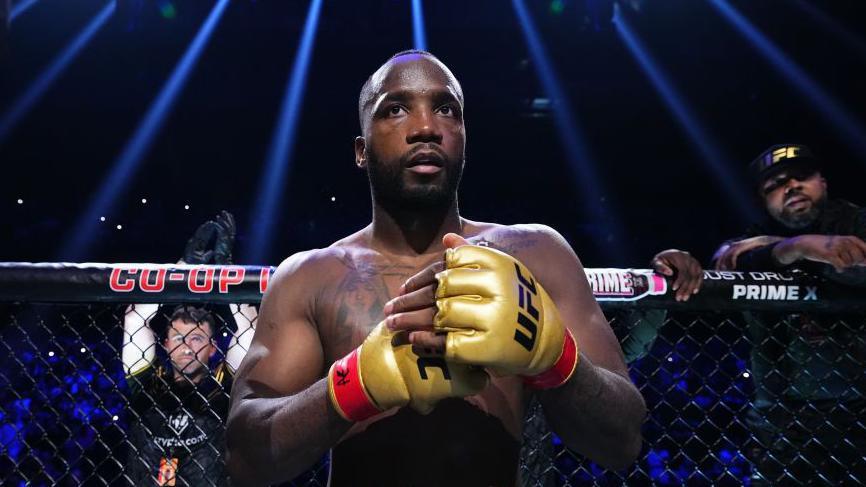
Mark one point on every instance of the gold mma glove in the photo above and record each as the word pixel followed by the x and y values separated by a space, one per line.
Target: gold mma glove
pixel 384 373
pixel 498 316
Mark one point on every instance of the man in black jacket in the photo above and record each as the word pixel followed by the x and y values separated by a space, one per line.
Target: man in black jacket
pixel 808 369
pixel 177 433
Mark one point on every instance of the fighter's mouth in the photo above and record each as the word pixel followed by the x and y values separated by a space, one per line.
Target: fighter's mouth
pixel 426 158
pixel 425 162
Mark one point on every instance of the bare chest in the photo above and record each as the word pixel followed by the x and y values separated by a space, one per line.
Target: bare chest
pixel 352 303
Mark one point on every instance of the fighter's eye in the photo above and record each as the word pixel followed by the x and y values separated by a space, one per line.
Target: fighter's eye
pixel 448 111
pixel 395 110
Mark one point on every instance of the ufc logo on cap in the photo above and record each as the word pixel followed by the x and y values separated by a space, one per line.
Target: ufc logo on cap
pixel 784 153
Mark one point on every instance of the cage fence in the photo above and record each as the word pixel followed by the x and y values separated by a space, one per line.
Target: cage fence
pixel 758 380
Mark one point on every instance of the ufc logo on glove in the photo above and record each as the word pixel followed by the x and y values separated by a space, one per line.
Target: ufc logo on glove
pixel 526 291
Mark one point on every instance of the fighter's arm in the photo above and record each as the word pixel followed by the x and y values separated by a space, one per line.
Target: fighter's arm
pixel 139 341
pixel 598 412
pixel 245 316
pixel 281 420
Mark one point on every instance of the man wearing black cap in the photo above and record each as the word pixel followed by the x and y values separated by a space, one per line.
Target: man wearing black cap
pixel 804 225
pixel 808 370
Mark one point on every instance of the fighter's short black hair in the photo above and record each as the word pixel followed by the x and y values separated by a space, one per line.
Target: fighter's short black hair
pixel 192 314
pixel 367 94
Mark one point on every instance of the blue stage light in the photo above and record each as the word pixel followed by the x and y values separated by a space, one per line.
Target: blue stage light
pixel 710 151
pixel 849 127
pixel 278 162
pixel 418 32
pixel 20 8
pixel 834 27
pixel 570 134
pixel 125 166
pixel 24 103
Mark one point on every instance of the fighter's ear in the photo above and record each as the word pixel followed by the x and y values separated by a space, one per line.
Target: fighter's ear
pixel 360 152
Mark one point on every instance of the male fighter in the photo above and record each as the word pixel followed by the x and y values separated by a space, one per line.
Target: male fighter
pixel 417 369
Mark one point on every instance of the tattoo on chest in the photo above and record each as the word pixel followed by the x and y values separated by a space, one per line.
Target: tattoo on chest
pixel 359 298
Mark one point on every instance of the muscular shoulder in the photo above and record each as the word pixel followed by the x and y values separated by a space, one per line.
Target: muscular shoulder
pixel 521 240
pixel 306 264
pixel 541 248
pixel 301 275
pixel 305 274
pixel 318 264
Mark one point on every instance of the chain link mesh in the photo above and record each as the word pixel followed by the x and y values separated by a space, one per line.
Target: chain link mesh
pixel 733 399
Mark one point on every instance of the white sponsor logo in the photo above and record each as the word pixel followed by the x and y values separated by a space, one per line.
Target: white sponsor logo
pixel 178 422
pixel 625 284
pixel 739 276
pixel 768 292
pixel 170 442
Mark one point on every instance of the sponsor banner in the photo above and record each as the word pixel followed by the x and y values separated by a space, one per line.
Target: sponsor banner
pixel 132 283
pixel 625 284
pixel 129 278
pixel 771 292
pixel 613 288
pixel 747 276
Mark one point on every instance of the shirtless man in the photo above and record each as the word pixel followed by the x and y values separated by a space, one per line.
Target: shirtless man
pixel 392 417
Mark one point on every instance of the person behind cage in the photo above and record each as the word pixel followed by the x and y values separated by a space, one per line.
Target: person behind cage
pixel 177 435
pixel 639 328
pixel 808 368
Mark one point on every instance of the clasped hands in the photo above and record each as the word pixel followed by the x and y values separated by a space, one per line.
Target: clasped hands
pixel 481 307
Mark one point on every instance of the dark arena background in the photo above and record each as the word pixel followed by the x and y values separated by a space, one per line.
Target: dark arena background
pixel 627 126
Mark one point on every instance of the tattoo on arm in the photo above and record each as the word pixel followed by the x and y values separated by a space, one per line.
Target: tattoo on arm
pixel 507 242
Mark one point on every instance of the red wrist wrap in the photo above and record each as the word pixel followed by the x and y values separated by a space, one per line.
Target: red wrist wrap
pixel 347 391
pixel 561 370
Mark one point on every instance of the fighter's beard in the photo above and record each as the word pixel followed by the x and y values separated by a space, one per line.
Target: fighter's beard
pixel 390 191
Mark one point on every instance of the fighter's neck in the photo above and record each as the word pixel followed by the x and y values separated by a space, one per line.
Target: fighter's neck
pixel 412 233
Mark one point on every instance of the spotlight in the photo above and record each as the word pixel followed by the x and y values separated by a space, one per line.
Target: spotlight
pixel 418 32
pixel 577 153
pixel 712 154
pixel 279 161
pixel 128 162
pixel 846 123
pixel 20 8
pixel 21 106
